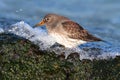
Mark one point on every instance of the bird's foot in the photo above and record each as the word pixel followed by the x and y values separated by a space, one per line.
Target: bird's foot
pixel 57 45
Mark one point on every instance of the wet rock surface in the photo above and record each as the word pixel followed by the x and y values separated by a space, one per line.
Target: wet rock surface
pixel 21 59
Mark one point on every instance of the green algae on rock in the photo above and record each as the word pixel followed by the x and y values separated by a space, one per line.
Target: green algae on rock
pixel 20 59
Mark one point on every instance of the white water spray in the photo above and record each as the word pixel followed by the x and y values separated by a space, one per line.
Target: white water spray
pixel 40 37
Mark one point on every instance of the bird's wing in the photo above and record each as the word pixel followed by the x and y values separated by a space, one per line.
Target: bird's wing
pixel 75 31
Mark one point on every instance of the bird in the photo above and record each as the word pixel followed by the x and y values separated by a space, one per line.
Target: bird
pixel 65 31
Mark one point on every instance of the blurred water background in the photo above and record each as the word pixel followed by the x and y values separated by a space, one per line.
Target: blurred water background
pixel 100 17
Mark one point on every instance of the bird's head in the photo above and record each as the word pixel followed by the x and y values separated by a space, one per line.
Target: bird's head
pixel 50 20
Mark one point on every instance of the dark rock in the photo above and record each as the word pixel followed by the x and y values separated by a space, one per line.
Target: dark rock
pixel 21 59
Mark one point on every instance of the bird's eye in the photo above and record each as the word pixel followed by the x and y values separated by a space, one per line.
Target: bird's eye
pixel 46 19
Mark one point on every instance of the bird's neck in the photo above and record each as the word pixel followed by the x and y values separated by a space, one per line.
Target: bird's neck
pixel 51 26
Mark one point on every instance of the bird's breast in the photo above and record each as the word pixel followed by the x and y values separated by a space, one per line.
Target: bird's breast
pixel 65 40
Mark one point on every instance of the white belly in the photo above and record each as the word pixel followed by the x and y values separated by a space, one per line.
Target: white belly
pixel 66 41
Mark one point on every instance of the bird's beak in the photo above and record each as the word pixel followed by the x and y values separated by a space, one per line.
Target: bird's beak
pixel 39 24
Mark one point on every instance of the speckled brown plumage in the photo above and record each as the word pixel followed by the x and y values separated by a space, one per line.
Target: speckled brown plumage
pixel 65 31
pixel 76 31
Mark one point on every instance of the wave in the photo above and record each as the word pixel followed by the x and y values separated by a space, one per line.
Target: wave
pixel 40 37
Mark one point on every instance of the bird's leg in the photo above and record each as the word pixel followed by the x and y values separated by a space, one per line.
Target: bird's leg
pixel 57 45
pixel 62 50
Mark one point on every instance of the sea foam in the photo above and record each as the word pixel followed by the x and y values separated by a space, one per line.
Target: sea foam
pixel 1 30
pixel 41 38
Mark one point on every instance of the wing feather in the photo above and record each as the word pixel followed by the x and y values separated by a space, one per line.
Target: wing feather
pixel 76 31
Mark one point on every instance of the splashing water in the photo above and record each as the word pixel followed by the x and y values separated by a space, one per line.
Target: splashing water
pixel 40 37
pixel 1 30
